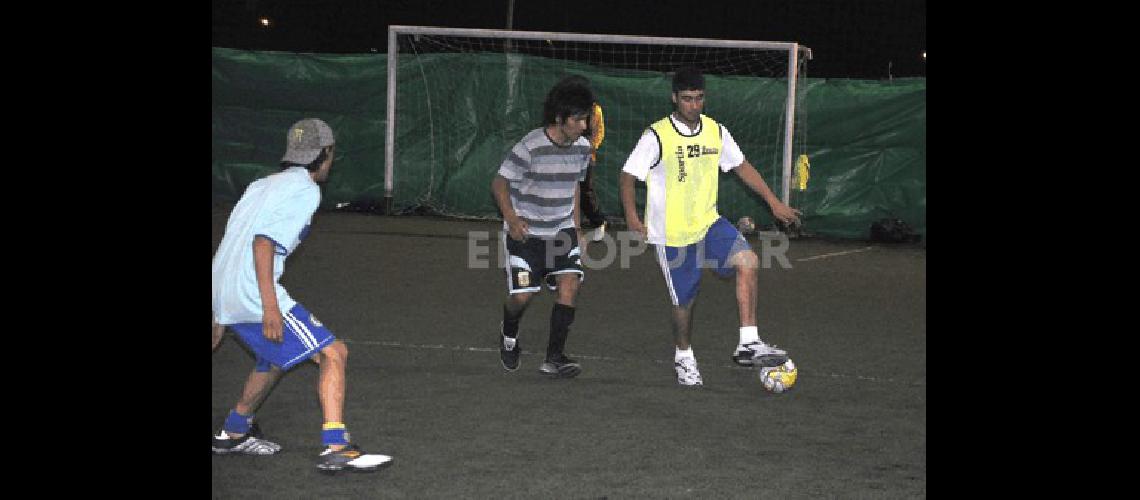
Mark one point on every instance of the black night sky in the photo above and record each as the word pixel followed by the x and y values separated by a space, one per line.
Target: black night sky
pixel 865 39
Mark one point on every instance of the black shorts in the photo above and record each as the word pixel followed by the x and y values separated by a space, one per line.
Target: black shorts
pixel 541 259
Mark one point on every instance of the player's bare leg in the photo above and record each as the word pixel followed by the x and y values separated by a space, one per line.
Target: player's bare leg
pixel 516 303
pixel 340 452
pixel 750 350
pixel 568 288
pixel 257 387
pixel 239 433
pixel 331 385
pixel 746 262
pixel 682 325
pixel 684 361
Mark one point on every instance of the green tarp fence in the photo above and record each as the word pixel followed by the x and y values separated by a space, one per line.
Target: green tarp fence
pixel 866 140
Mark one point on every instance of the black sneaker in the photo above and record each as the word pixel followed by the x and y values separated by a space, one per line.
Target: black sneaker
pixel 561 367
pixel 249 444
pixel 350 458
pixel 510 357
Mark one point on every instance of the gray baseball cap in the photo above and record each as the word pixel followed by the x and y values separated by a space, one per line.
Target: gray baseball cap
pixel 305 139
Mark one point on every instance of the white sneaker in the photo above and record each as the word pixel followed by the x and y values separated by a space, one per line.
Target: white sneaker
pixel 759 354
pixel 350 458
pixel 597 233
pixel 248 444
pixel 687 373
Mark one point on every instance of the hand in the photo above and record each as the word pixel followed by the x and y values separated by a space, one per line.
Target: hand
pixel 518 228
pixel 785 214
pixel 271 324
pixel 636 226
pixel 218 332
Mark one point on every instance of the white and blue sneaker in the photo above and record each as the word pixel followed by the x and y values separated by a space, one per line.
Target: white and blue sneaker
pixel 759 354
pixel 251 443
pixel 687 372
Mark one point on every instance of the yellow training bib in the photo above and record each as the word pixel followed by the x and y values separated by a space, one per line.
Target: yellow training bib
pixel 691 174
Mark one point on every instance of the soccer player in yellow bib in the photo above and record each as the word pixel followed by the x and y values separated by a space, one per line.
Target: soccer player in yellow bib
pixel 680 158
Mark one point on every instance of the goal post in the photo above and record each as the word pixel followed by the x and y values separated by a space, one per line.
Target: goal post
pixel 457 97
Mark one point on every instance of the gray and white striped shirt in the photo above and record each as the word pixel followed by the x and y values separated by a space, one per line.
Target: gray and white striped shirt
pixel 542 178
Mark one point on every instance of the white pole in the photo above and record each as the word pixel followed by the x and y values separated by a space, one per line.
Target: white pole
pixel 390 125
pixel 789 123
pixel 583 37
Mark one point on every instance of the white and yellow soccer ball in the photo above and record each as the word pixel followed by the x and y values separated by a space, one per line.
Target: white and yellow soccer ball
pixel 779 378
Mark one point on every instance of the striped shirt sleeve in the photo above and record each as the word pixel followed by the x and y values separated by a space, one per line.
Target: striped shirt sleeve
pixel 516 163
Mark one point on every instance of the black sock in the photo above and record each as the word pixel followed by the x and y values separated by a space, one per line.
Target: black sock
pixel 511 323
pixel 560 319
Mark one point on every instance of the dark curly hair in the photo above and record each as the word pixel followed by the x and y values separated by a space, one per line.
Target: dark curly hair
pixel 569 97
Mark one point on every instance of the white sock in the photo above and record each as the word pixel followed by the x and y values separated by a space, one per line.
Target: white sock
pixel 682 354
pixel 749 334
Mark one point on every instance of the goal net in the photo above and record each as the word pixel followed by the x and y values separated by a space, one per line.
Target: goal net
pixel 459 99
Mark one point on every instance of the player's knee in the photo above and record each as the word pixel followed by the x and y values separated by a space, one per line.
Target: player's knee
pixel 521 299
pixel 746 261
pixel 567 297
pixel 336 352
pixel 568 286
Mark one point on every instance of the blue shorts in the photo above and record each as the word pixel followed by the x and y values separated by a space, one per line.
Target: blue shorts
pixel 301 337
pixel 682 265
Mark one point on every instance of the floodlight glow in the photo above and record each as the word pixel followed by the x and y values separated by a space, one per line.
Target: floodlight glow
pixel 264 22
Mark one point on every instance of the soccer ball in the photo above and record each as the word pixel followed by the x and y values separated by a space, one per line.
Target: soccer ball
pixel 745 225
pixel 779 378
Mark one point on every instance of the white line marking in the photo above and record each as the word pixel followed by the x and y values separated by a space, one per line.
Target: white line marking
pixel 398 345
pixel 834 254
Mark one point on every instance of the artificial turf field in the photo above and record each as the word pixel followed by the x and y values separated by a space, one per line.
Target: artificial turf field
pixel 425 384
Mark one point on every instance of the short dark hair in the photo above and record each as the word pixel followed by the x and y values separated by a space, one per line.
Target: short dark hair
pixel 314 165
pixel 688 79
pixel 569 97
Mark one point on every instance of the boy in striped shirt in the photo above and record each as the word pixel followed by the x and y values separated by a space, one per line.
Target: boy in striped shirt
pixel 537 191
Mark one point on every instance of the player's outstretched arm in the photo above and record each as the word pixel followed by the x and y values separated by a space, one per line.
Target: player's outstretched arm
pixel 755 181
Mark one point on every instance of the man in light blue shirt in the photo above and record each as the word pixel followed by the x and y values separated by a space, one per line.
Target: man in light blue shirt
pixel 266 225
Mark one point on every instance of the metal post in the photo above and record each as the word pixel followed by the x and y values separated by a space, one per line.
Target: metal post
pixel 790 122
pixel 390 126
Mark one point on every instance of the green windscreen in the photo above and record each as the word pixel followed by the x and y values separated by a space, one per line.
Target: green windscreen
pixel 865 140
